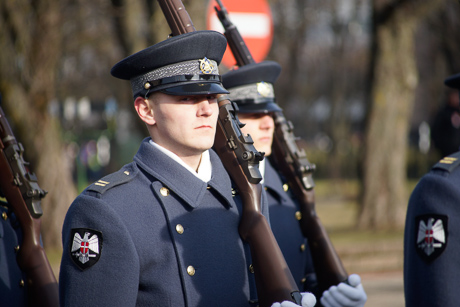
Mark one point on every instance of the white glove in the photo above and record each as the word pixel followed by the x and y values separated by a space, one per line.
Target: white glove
pixel 345 295
pixel 308 300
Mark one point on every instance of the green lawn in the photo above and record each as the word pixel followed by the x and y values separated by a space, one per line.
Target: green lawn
pixel 360 250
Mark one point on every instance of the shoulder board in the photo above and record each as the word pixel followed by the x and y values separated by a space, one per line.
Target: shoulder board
pixel 122 176
pixel 3 202
pixel 448 163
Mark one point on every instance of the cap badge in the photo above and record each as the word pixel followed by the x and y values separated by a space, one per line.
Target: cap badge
pixel 86 247
pixel 206 66
pixel 431 235
pixel 263 89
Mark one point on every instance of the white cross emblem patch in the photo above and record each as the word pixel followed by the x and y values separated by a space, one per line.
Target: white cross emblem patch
pixel 431 235
pixel 85 247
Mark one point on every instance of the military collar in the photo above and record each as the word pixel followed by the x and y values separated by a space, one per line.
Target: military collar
pixel 204 169
pixel 179 180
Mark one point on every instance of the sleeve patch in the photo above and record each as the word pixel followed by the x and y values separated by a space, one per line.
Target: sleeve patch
pixel 85 247
pixel 431 235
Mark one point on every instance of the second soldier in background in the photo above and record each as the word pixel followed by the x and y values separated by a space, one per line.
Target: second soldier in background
pixel 251 88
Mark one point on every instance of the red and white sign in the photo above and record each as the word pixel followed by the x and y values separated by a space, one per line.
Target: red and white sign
pixel 254 21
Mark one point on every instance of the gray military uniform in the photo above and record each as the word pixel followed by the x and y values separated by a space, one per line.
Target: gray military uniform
pixel 164 238
pixel 12 290
pixel 431 237
pixel 283 210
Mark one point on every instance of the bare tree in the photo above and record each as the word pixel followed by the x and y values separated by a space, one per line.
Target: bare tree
pixel 321 46
pixel 393 81
pixel 31 40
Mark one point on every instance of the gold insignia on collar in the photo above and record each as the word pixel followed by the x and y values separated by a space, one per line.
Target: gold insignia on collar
pixel 206 66
pixel 263 89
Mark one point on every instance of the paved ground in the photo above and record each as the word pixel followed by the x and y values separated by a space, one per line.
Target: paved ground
pixel 384 289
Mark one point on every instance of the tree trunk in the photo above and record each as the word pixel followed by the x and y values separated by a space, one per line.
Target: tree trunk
pixel 395 79
pixel 30 53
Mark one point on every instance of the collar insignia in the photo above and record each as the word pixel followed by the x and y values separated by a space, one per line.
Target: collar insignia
pixel 85 247
pixel 431 235
pixel 206 66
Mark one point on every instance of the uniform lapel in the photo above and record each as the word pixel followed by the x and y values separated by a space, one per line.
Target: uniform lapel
pixel 173 175
pixel 273 182
pixel 179 180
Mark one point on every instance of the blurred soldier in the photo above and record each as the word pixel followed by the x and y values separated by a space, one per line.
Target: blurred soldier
pixel 446 125
pixel 431 268
pixel 12 291
pixel 251 87
pixel 163 231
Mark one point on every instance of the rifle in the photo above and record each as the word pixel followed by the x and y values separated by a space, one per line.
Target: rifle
pixel 274 281
pixel 235 41
pixel 20 188
pixel 294 165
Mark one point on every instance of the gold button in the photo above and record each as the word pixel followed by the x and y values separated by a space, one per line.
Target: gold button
pixel 303 280
pixel 251 268
pixel 147 85
pixel 4 216
pixel 21 283
pixel 190 270
pixel 164 191
pixel 302 247
pixel 16 248
pixel 208 187
pixel 265 188
pixel 298 215
pixel 233 192
pixel 126 173
pixel 179 229
pixel 285 187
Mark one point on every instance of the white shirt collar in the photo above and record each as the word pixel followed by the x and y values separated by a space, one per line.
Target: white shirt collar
pixel 204 169
pixel 262 169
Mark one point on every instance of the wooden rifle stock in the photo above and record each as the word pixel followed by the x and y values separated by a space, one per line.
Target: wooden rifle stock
pixel 293 164
pixel 274 281
pixel 23 194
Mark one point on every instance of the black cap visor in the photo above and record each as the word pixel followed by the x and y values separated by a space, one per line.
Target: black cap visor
pixel 195 89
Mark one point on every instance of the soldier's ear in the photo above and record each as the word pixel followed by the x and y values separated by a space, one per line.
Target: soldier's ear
pixel 144 110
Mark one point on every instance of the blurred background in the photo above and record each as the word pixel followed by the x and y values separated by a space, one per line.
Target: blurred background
pixel 362 82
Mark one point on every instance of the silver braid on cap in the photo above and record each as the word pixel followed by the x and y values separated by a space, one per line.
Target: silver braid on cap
pixel 192 67
pixel 252 91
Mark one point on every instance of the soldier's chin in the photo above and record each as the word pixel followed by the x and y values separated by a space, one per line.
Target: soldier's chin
pixel 203 146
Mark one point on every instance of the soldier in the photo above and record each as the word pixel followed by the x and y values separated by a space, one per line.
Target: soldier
pixel 12 286
pixel 430 243
pixel 163 231
pixel 251 88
